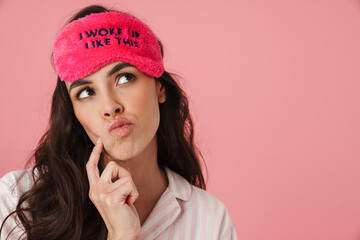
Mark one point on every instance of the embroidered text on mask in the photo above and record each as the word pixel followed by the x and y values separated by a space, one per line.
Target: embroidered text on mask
pixel 112 37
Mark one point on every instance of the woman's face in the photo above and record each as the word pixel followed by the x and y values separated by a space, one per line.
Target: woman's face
pixel 118 91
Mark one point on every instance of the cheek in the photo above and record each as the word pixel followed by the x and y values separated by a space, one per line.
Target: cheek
pixel 84 116
pixel 148 109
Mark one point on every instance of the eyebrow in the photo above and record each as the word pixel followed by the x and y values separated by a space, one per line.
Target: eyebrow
pixel 118 67
pixel 78 83
pixel 115 69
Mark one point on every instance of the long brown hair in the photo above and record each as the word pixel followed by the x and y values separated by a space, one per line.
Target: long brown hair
pixel 58 202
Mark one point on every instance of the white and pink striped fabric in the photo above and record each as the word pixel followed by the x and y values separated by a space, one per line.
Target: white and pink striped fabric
pixel 182 212
pixel 187 212
pixel 10 192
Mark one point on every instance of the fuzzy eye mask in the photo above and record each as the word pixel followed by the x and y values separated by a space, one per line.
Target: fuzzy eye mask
pixel 90 43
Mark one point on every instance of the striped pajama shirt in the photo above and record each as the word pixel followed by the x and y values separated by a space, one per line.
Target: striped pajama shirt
pixel 182 212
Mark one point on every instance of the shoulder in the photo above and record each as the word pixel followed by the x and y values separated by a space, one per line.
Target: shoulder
pixel 212 209
pixel 12 186
pixel 16 182
pixel 202 208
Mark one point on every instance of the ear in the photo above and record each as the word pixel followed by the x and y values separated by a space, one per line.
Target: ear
pixel 160 91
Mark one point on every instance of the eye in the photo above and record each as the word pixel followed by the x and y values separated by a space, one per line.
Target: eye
pixel 85 93
pixel 125 78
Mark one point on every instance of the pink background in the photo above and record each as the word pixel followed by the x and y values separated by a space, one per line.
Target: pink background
pixel 274 89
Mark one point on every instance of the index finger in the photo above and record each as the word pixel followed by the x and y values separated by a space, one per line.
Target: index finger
pixel 92 165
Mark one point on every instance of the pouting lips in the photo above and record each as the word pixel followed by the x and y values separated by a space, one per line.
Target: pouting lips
pixel 118 123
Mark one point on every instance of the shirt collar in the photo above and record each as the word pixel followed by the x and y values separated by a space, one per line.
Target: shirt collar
pixel 178 185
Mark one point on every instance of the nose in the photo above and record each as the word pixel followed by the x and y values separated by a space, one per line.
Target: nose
pixel 111 113
pixel 110 106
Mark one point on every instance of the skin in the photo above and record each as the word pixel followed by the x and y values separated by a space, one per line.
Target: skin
pixel 129 171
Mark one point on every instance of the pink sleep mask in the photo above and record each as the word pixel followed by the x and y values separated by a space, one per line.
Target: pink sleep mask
pixel 90 43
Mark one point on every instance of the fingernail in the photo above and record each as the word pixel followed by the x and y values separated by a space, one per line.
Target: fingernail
pixel 98 141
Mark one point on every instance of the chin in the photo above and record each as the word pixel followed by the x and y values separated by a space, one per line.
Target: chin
pixel 126 149
pixel 121 152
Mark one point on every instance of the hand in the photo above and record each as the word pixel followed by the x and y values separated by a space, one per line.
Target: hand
pixel 113 194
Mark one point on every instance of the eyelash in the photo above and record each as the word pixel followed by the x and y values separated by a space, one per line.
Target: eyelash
pixel 82 90
pixel 133 77
pixel 91 90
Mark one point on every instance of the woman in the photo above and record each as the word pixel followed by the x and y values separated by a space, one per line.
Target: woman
pixel 118 160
